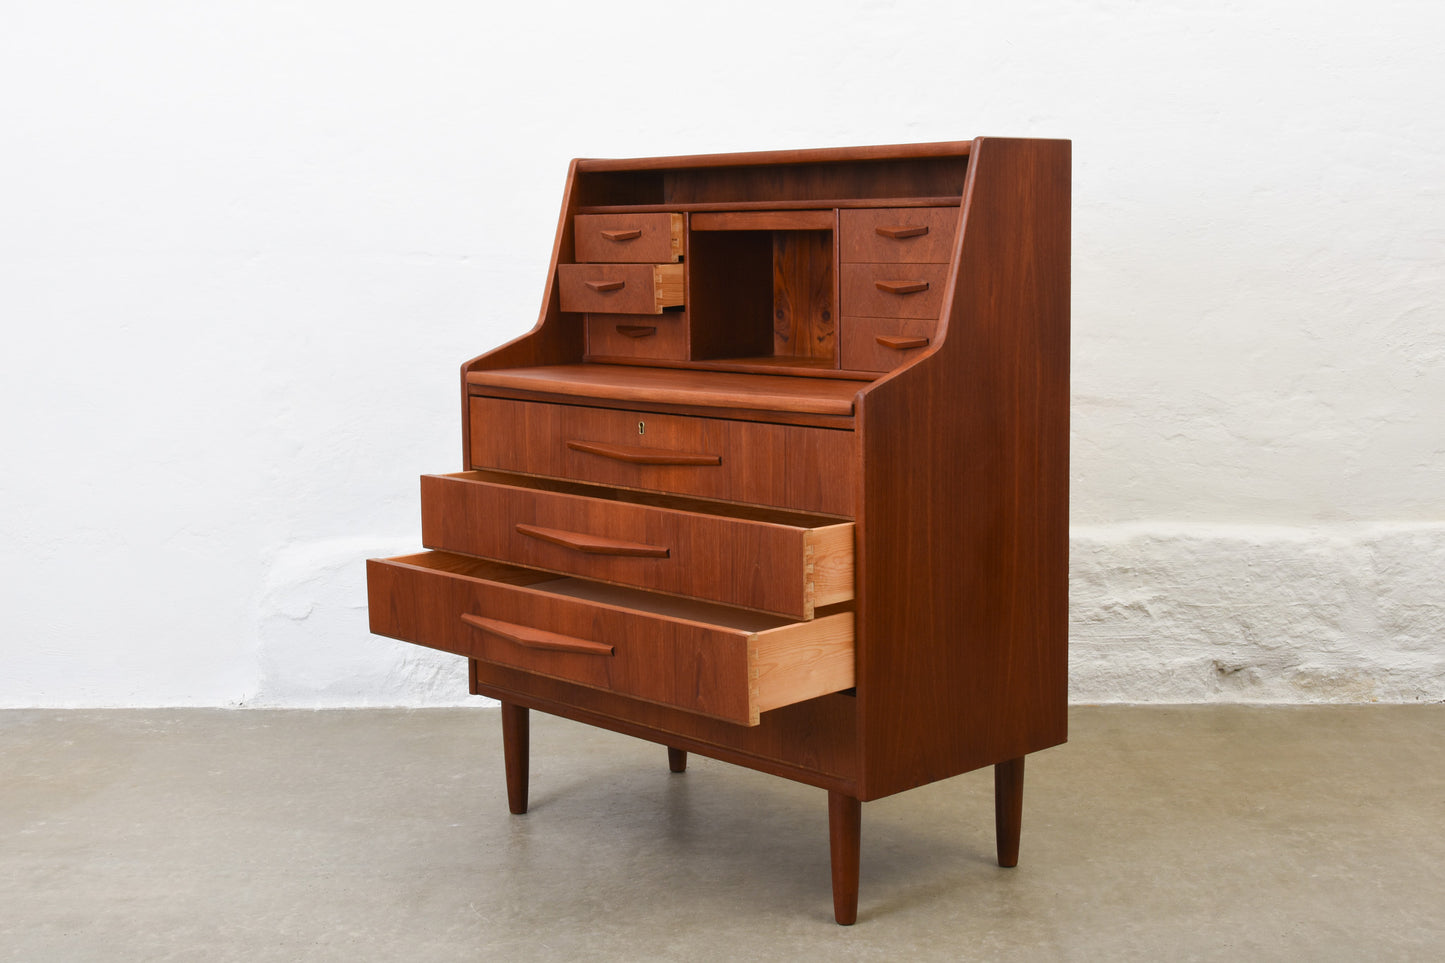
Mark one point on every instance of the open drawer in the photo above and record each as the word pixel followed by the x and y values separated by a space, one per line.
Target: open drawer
pixel 714 660
pixel 782 562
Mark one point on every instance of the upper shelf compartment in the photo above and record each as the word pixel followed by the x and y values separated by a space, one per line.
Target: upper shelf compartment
pixel 894 176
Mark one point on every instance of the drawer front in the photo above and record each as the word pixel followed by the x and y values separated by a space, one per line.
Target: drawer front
pixel 785 466
pixel 628 237
pixel 781 568
pixel 922 235
pixel 882 344
pixel 619 288
pixel 893 290
pixel 704 659
pixel 661 337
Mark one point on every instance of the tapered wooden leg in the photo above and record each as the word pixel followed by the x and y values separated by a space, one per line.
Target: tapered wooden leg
pixel 1008 808
pixel 514 753
pixel 845 823
pixel 677 759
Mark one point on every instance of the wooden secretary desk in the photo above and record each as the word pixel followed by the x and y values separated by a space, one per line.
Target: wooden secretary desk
pixel 779 477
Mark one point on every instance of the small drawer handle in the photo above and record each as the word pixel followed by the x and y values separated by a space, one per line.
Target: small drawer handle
pixel 629 234
pixel 644 456
pixel 530 638
pixel 901 287
pixel 899 342
pixel 636 330
pixel 899 233
pixel 601 286
pixel 593 544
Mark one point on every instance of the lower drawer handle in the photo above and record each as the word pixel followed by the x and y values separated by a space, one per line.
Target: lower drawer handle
pixel 644 456
pixel 899 233
pixel 622 235
pixel 901 287
pixel 601 286
pixel 593 544
pixel 636 330
pixel 530 638
pixel 899 342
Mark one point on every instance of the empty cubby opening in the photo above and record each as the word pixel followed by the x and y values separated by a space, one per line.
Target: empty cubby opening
pixel 766 295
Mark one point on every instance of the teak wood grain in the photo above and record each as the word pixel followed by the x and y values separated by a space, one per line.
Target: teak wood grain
pixel 722 389
pixel 660 337
pixel 982 668
pixel 785 569
pixel 807 469
pixel 637 238
pixel 876 337
pixel 921 235
pixel 882 344
pixel 716 662
pixel 893 290
pixel 620 288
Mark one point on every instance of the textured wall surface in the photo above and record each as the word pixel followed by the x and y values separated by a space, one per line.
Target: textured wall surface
pixel 244 248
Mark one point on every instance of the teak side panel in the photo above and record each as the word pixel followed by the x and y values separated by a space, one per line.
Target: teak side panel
pixel 787 466
pixel 963 609
pixel 757 565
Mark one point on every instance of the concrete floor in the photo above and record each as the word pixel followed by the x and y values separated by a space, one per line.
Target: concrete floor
pixel 1177 833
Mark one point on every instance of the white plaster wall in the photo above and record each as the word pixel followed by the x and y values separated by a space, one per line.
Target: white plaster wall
pixel 245 246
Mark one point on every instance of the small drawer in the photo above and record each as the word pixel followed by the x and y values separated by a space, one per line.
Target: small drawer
pixel 661 337
pixel 709 659
pixel 921 235
pixel 893 290
pixel 882 344
pixel 769 560
pixel 612 238
pixel 785 466
pixel 620 288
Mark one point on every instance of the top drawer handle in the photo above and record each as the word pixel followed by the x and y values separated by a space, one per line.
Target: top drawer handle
pixel 899 233
pixel 593 544
pixel 606 285
pixel 630 234
pixel 530 638
pixel 644 456
pixel 901 287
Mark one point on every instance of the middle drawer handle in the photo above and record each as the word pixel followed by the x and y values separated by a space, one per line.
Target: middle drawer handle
pixel 530 638
pixel 901 287
pixel 636 330
pixel 644 456
pixel 593 544
pixel 624 235
pixel 600 286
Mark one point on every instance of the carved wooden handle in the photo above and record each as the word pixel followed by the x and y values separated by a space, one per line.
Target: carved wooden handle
pixel 899 233
pixel 644 456
pixel 899 342
pixel 630 234
pixel 606 285
pixel 592 544
pixel 530 638
pixel 901 287
pixel 636 330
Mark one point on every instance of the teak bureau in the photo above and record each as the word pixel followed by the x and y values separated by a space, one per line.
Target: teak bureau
pixel 780 476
